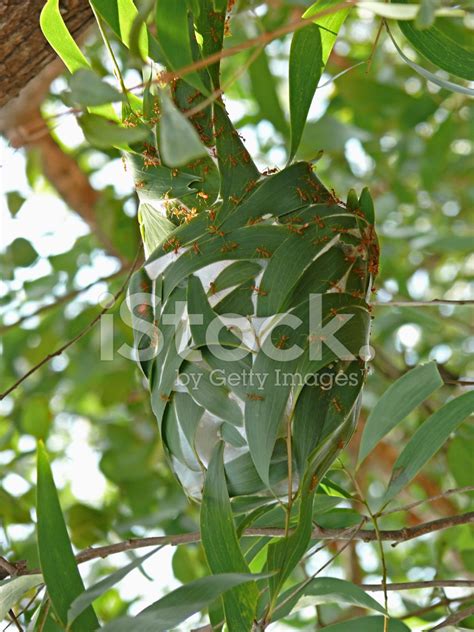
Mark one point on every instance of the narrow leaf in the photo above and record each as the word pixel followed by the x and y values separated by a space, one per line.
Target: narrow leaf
pixel 177 606
pixel 87 88
pixel 440 49
pixel 325 590
pixel 59 38
pixel 443 83
pixel 397 402
pixel 221 545
pixel 179 141
pixel 12 590
pixel 92 593
pixel 330 24
pixel 104 133
pixel 173 34
pixel 304 73
pixel 427 440
pixel 120 15
pixel 57 561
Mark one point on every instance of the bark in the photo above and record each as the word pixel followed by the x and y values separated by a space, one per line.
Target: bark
pixel 24 52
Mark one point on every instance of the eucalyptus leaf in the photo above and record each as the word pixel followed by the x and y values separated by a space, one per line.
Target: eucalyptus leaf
pixel 305 70
pixel 219 539
pixel 324 590
pixel 179 141
pixel 85 599
pixel 105 133
pixel 13 589
pixel 177 606
pixel 58 564
pixel 87 88
pixel 403 396
pixel 427 440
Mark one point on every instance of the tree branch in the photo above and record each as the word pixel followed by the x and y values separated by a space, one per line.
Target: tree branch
pixel 61 300
pixel 401 535
pixel 448 492
pixel 454 618
pixel 434 303
pixel 82 333
pixel 435 583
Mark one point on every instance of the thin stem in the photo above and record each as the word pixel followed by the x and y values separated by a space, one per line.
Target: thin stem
pixel 61 299
pixel 108 46
pixel 449 492
pixel 82 333
pixel 434 303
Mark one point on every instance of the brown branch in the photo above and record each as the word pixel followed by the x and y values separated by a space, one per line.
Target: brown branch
pixel 82 333
pixel 401 535
pixel 260 40
pixel 454 618
pixel 60 301
pixel 448 492
pixel 434 583
pixel 434 303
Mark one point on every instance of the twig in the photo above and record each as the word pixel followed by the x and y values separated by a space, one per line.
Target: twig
pixel 435 583
pixel 435 302
pixel 449 492
pixel 60 300
pixel 82 333
pixel 10 569
pixel 454 618
pixel 261 40
pixel 374 48
pixel 441 602
pixel 401 535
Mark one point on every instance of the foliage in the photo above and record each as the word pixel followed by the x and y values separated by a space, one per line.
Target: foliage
pixel 202 199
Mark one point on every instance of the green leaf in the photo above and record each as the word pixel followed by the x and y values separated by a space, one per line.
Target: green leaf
pixel 238 171
pixel 154 181
pixel 219 539
pixel 366 205
pixel 179 141
pixel 22 252
pixel 427 440
pixel 87 88
pixel 440 49
pixel 265 93
pixel 330 24
pixel 324 590
pixel 59 38
pixel 461 459
pixel 12 590
pixel 173 34
pixel 305 70
pixel 14 201
pixel 403 396
pixel 443 83
pixel 57 561
pixel 92 593
pixel 104 133
pixel 36 416
pixel 174 608
pixel 154 226
pixel 368 624
pixel 120 15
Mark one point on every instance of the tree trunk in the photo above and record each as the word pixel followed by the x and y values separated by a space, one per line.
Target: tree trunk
pixel 24 52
